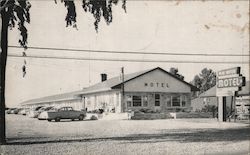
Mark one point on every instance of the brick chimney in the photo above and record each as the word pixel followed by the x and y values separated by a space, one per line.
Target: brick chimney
pixel 104 77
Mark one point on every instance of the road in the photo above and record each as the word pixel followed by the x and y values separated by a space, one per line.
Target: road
pixel 182 136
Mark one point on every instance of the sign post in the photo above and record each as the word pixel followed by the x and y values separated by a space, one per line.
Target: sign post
pixel 229 81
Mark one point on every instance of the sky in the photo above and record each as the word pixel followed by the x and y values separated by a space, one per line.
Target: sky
pixel 209 27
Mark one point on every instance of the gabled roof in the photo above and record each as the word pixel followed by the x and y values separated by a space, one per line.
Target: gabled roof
pixel 115 83
pixel 193 88
pixel 212 91
pixel 209 93
pixel 110 84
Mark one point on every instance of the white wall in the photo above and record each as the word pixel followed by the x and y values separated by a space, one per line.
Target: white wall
pixel 157 81
pixel 103 100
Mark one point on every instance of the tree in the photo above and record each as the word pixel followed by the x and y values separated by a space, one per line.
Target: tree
pixel 205 80
pixel 17 12
pixel 174 71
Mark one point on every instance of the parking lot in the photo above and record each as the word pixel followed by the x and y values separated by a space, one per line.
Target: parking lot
pixel 182 136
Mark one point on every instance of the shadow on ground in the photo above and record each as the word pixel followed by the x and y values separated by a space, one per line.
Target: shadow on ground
pixel 178 135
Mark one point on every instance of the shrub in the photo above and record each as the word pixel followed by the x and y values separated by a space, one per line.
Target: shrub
pixel 96 111
pixel 209 108
pixel 178 110
pixel 93 117
pixel 145 110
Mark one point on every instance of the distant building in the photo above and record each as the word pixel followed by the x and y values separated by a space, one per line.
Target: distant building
pixel 242 99
pixel 154 89
pixel 199 103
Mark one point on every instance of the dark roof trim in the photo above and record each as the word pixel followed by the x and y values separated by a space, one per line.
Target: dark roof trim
pixel 94 92
pixel 49 101
pixel 193 88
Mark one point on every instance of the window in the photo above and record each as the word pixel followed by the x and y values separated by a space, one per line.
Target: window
pixel 117 99
pixel 69 109
pixel 137 101
pixel 145 101
pixel 157 99
pixel 176 101
pixel 168 100
pixel 183 101
pixel 129 101
pixel 63 109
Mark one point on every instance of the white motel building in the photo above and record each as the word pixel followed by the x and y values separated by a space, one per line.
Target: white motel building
pixel 154 89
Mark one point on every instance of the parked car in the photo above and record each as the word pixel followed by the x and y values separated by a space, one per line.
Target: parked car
pixel 43 112
pixel 65 113
pixel 17 110
pixel 13 111
pixel 10 111
pixel 34 112
pixel 7 111
pixel 23 111
pixel 44 109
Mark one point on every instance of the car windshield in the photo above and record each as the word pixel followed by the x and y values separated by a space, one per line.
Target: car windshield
pixel 41 109
pixel 37 108
pixel 53 109
pixel 48 108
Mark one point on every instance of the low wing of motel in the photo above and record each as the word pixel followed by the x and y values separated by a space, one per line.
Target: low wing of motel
pixel 154 89
pixel 242 99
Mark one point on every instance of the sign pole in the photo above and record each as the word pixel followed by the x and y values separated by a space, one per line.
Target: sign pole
pixel 222 108
pixel 235 110
pixel 224 99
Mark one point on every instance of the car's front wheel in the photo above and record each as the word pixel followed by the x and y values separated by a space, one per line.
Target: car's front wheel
pixel 49 120
pixel 57 119
pixel 81 117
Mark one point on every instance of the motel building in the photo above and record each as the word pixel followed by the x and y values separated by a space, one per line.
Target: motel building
pixel 154 89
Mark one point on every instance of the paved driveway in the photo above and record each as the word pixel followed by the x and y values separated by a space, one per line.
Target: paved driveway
pixel 181 136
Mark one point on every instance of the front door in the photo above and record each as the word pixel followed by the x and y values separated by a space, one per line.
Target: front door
pixel 64 112
pixel 157 102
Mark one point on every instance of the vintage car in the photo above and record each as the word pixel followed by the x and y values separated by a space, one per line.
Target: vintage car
pixel 34 112
pixel 11 111
pixel 43 112
pixel 16 111
pixel 23 111
pixel 44 109
pixel 64 113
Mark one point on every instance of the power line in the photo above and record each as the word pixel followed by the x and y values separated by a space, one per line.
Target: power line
pixel 131 52
pixel 129 60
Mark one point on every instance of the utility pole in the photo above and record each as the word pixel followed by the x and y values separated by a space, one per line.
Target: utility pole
pixel 123 92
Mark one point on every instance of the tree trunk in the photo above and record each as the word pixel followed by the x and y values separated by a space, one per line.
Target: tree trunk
pixel 3 59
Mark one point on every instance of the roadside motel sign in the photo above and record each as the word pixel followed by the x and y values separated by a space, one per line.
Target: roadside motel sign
pixel 229 81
